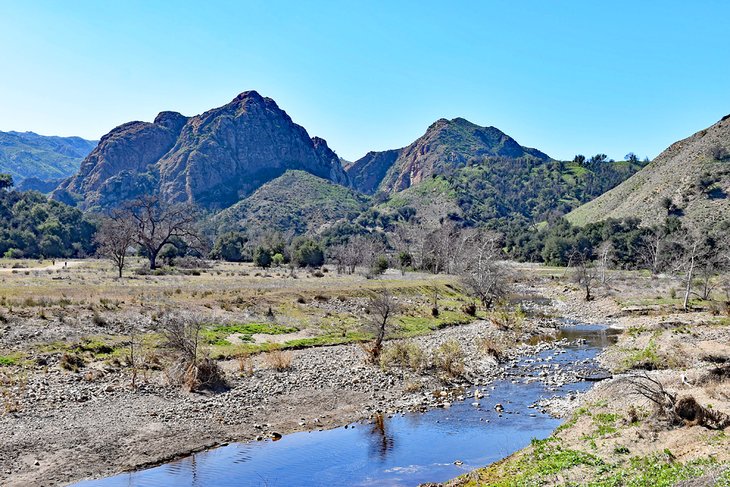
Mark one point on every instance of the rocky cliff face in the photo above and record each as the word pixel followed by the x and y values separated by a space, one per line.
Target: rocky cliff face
pixel 212 160
pixel 368 172
pixel 447 144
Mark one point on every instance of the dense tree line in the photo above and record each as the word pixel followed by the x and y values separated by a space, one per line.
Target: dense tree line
pixel 503 189
pixel 34 226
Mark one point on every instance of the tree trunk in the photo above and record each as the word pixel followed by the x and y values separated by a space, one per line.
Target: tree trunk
pixel 688 288
pixel 153 261
pixel 120 267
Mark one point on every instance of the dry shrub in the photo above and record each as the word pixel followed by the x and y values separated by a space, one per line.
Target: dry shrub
pixel 372 352
pixel 404 354
pixel 278 360
pixel 202 374
pixel 93 375
pixel 449 357
pixel 632 415
pixel 192 368
pixel 492 346
pixel 71 361
pixel 506 319
pixel 684 410
pixel 245 363
pixel 12 389
pixel 469 309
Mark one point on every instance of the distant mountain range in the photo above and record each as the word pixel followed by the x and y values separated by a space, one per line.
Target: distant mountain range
pixel 249 165
pixel 29 155
pixel 690 180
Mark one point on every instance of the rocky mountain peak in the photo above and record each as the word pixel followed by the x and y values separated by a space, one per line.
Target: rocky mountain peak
pixel 445 144
pixel 171 120
pixel 213 159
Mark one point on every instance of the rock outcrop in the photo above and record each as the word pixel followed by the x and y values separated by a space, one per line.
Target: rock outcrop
pixel 212 160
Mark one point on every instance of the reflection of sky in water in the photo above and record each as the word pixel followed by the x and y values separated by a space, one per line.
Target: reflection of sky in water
pixel 404 450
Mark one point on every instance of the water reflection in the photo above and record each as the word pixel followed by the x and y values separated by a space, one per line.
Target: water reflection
pixel 381 442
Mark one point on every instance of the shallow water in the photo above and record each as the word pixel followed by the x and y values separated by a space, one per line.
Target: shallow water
pixel 404 450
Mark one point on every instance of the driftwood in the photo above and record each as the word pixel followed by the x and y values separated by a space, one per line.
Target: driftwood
pixel 684 410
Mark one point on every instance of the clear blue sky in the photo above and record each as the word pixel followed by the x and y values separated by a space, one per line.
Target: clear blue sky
pixel 562 76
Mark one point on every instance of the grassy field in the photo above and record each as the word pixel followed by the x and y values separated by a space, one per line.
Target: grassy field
pixel 244 308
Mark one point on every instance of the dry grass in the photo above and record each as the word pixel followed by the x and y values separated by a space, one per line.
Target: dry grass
pixel 279 360
pixel 492 346
pixel 405 354
pixel 71 361
pixel 449 357
pixel 12 389
pixel 245 363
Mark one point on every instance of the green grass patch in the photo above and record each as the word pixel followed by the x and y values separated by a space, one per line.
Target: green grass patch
pixel 218 334
pixel 646 358
pixel 547 458
pixel 544 458
pixel 8 360
pixel 419 325
pixel 605 423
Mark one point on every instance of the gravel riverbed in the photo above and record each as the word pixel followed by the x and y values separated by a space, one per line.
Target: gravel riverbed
pixel 73 426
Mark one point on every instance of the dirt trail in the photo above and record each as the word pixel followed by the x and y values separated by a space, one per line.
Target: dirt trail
pixel 57 266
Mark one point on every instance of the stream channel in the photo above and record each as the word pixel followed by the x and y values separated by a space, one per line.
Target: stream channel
pixel 406 449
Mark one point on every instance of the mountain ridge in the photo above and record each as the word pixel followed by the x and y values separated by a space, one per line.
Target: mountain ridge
pixel 690 179
pixel 45 157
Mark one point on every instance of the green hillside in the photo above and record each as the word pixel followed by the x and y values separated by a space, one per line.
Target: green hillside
pixel 494 191
pixel 297 201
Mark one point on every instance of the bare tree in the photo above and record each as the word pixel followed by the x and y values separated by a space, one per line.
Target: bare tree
pixel 605 251
pixel 651 249
pixel 481 271
pixel 114 238
pixel 440 249
pixel 360 250
pixel 584 272
pixel 382 308
pixel 157 223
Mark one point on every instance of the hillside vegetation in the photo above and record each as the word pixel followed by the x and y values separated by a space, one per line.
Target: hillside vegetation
pixel 34 226
pixel 498 191
pixel 690 180
pixel 296 202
